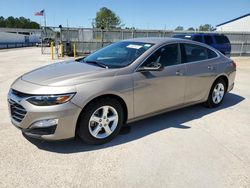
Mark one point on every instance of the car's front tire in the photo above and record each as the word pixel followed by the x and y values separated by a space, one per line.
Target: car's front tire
pixel 101 121
pixel 216 94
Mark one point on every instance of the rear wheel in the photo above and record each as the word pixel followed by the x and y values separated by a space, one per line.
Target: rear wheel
pixel 216 94
pixel 101 121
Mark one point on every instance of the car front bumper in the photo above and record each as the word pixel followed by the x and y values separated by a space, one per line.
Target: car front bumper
pixel 24 114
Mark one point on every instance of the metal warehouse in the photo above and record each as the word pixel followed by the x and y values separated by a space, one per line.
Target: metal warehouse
pixel 240 24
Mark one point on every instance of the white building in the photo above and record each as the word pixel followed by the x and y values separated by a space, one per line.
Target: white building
pixel 240 24
pixel 18 35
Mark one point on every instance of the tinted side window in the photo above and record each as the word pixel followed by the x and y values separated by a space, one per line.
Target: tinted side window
pixel 198 38
pixel 194 53
pixel 211 54
pixel 221 39
pixel 167 55
pixel 208 39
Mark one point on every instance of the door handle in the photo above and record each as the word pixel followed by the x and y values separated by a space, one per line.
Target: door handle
pixel 179 73
pixel 210 67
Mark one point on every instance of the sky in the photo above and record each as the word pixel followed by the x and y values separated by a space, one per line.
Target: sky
pixel 141 14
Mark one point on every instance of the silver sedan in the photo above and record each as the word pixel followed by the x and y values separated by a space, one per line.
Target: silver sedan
pixel 121 83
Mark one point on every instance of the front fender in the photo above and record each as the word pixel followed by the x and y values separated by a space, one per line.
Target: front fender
pixel 121 86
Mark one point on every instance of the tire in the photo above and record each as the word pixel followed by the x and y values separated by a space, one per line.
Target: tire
pixel 97 127
pixel 215 98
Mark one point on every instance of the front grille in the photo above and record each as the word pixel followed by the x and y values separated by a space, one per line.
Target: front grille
pixel 17 111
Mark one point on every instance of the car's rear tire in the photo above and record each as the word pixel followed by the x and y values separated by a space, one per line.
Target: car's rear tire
pixel 216 94
pixel 100 121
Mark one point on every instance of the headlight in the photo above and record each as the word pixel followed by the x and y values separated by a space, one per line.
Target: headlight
pixel 48 100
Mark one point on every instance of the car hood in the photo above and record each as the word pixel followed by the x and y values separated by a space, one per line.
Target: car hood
pixel 66 73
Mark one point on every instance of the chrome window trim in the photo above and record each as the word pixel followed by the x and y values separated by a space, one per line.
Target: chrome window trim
pixel 162 45
pixel 218 55
pixel 182 42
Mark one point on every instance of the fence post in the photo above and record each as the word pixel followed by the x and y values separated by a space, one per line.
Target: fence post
pixel 61 48
pixel 241 49
pixel 74 50
pixel 102 36
pixel 52 50
pixel 41 40
pixel 122 35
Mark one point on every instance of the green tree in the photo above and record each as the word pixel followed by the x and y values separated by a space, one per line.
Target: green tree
pixel 206 27
pixel 2 21
pixel 191 29
pixel 106 19
pixel 10 22
pixel 34 25
pixel 179 28
pixel 21 22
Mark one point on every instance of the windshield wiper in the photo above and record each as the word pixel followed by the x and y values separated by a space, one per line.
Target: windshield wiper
pixel 97 63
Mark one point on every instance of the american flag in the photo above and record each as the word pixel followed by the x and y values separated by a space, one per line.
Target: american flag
pixel 39 13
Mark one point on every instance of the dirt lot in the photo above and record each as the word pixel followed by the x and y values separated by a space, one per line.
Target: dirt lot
pixel 191 147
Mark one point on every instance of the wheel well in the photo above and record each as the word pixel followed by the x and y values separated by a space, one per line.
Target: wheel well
pixel 223 78
pixel 119 99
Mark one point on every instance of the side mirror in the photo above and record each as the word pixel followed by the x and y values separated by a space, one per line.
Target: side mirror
pixel 79 59
pixel 154 67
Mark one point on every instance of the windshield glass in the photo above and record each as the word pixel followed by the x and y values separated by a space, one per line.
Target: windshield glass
pixel 117 55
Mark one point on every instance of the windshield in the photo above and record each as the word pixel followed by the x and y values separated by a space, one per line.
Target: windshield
pixel 117 55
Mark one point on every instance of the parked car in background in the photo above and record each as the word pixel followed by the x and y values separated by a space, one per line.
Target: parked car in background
pixel 123 82
pixel 217 41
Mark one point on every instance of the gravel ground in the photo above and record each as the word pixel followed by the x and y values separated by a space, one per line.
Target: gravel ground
pixel 191 147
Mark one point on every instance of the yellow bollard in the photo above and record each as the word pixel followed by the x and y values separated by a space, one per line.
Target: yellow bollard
pixel 52 50
pixel 74 50
pixel 61 47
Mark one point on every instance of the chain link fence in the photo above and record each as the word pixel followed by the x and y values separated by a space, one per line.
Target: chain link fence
pixel 88 40
pixel 48 35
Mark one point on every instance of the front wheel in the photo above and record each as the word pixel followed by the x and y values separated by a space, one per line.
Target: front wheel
pixel 216 94
pixel 101 121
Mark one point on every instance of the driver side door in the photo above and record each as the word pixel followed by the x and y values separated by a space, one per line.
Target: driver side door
pixel 160 89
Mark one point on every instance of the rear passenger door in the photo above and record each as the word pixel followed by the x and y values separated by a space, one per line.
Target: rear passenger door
pixel 201 71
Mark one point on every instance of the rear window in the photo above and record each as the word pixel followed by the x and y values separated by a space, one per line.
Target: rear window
pixel 211 54
pixel 197 53
pixel 221 39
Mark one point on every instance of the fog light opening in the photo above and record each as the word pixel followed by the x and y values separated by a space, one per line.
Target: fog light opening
pixel 44 123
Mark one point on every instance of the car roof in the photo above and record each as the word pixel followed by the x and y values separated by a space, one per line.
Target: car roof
pixel 202 34
pixel 155 40
pixel 162 40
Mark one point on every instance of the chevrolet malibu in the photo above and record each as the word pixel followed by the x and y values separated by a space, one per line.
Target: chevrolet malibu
pixel 126 81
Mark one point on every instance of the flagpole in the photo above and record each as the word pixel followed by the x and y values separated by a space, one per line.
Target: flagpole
pixel 44 16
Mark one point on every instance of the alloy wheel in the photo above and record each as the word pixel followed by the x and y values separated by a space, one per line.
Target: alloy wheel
pixel 103 122
pixel 218 93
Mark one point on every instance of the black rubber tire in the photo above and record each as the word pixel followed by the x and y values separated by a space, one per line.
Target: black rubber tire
pixel 83 130
pixel 209 103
